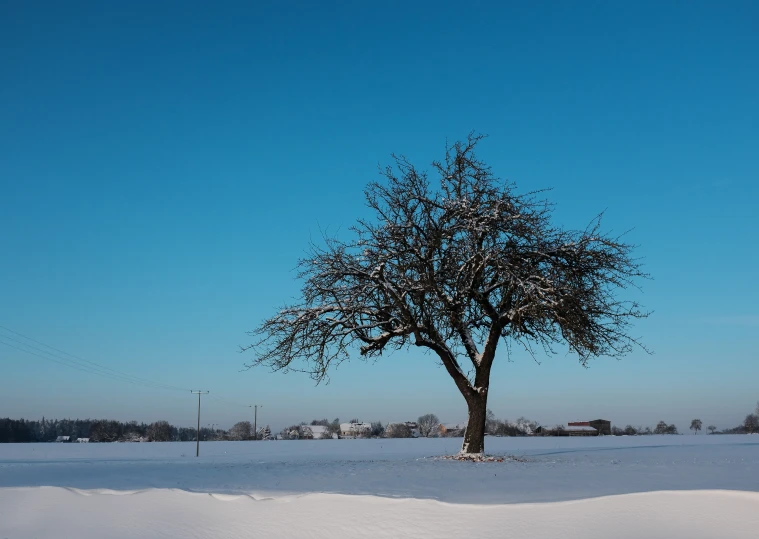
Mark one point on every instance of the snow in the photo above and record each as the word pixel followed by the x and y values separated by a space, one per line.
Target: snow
pixel 695 515
pixel 648 486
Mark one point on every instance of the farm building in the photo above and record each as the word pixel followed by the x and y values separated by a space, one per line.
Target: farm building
pixel 578 428
pixel 452 429
pixel 602 426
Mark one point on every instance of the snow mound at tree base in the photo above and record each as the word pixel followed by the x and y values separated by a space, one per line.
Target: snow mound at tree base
pixel 481 457
pixel 53 512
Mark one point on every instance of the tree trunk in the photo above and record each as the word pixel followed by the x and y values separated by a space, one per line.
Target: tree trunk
pixel 474 436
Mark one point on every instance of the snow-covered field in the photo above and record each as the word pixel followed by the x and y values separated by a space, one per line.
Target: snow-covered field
pixel 652 486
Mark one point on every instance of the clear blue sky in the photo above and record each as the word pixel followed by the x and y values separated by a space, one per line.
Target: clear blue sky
pixel 163 166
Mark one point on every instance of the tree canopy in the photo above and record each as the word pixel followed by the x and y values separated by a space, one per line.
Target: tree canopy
pixel 455 267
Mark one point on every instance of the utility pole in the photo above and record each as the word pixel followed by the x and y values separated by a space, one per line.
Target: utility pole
pixel 255 419
pixel 197 441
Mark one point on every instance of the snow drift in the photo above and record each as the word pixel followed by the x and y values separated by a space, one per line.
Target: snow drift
pixel 57 512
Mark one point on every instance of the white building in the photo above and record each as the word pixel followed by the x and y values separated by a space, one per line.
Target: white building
pixel 353 430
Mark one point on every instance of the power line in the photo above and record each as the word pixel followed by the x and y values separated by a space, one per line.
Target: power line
pixel 45 357
pixel 77 359
pixel 79 363
pixel 62 360
pixel 83 369
pixel 61 357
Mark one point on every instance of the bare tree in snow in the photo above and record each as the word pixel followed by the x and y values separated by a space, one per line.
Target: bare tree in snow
pixel 455 268
pixel 241 431
pixel 663 428
pixel 751 423
pixel 695 425
pixel 159 431
pixel 397 430
pixel 428 425
pixel 711 429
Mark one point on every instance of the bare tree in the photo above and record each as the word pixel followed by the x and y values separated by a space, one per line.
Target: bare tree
pixel 455 270
pixel 663 428
pixel 428 425
pixel 334 427
pixel 397 430
pixel 159 431
pixel 491 422
pixel 377 429
pixel 751 423
pixel 241 431
pixel 695 426
pixel 711 429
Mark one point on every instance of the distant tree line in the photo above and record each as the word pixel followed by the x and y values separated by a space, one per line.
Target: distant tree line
pixel 750 425
pixel 101 430
pixel 504 427
pixel 428 425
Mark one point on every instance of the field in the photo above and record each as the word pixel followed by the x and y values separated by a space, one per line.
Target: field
pixel 652 486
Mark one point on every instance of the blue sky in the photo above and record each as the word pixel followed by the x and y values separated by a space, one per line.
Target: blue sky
pixel 163 167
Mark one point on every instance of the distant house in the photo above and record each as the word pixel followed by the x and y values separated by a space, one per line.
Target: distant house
pixel 353 430
pixel 601 426
pixel 578 428
pixel 571 430
pixel 82 440
pixel 452 430
pixel 63 439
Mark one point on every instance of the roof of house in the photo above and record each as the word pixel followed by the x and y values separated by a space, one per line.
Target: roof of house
pixel 453 426
pixel 355 426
